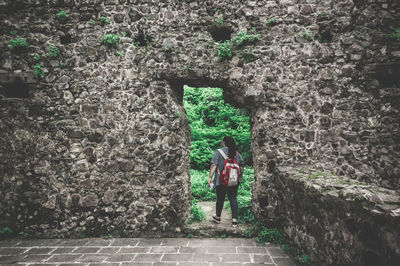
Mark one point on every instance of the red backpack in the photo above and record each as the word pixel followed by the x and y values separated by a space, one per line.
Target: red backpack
pixel 230 173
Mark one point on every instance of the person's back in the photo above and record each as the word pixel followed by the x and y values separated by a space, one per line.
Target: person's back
pixel 229 150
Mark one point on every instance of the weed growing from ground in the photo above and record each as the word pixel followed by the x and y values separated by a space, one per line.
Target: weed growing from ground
pixel 36 57
pixel 303 260
pixel 92 22
pixel 248 233
pixel 196 213
pixel 285 248
pixel 269 235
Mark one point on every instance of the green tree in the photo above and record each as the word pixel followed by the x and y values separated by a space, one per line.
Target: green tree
pixel 210 119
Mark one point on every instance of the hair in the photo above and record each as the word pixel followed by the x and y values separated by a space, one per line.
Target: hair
pixel 232 148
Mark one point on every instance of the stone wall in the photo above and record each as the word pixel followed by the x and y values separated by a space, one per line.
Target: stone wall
pixel 101 143
pixel 335 219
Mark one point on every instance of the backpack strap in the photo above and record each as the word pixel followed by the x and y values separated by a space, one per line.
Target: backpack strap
pixel 223 154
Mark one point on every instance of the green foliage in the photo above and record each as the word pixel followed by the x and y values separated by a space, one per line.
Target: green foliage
pixel 119 53
pixel 13 32
pixel 36 57
pixel 92 22
pixel 136 45
pixel 62 15
pixel 211 120
pixel 219 21
pixel 323 40
pixel 225 49
pixel 271 21
pixel 196 213
pixel 396 34
pixel 18 44
pixel 269 235
pixel 111 40
pixel 242 38
pixel 105 20
pixel 200 188
pixel 38 69
pixel 285 248
pixel 303 260
pixel 63 64
pixel 5 230
pixel 248 233
pixel 306 35
pixel 248 55
pixel 54 51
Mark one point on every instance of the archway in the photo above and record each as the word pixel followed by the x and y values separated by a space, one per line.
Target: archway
pixel 210 120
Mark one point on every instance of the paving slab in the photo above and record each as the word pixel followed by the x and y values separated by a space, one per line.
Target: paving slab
pixel 142 252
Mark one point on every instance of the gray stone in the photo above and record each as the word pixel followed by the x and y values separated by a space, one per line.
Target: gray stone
pixel 90 200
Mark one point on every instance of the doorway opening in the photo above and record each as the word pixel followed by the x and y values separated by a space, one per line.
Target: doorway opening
pixel 210 120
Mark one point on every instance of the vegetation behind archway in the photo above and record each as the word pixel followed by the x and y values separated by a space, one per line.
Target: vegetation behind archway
pixel 210 119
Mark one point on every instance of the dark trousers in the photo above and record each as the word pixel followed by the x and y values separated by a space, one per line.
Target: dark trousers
pixel 232 196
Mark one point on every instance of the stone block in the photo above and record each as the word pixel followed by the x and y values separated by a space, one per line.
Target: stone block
pixel 122 257
pixel 148 257
pixel 90 200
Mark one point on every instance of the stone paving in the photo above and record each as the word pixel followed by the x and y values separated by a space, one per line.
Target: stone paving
pixel 141 252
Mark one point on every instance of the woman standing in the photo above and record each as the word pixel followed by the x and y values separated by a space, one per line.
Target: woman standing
pixel 229 150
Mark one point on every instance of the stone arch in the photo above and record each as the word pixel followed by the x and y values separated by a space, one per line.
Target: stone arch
pixel 233 95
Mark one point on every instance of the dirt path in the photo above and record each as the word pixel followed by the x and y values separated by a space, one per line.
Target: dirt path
pixel 211 229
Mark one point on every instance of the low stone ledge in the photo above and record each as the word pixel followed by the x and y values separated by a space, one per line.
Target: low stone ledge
pixel 334 219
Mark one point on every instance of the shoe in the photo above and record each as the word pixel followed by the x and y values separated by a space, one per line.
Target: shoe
pixel 215 219
pixel 234 223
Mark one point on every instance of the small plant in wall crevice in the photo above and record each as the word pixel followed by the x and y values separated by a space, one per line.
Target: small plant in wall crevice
pixel 307 34
pixel 18 44
pixel 38 69
pixel 111 40
pixel 62 15
pixel 225 49
pixel 54 51
pixel 271 21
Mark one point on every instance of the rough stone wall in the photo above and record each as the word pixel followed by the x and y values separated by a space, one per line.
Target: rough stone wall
pixel 102 144
pixel 336 220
